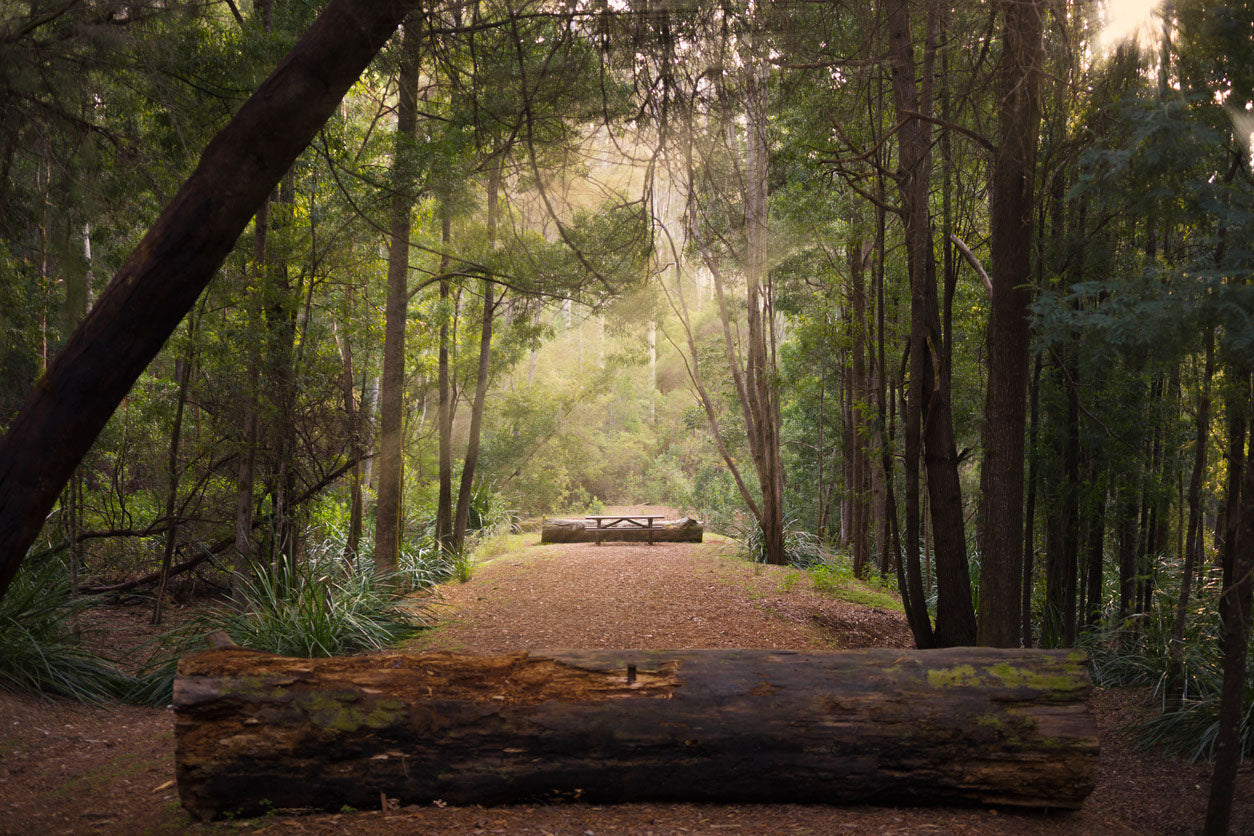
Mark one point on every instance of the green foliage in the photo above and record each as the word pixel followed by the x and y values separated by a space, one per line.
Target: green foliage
pixel 834 576
pixel 801 548
pixel 39 652
pixel 319 610
pixel 1139 653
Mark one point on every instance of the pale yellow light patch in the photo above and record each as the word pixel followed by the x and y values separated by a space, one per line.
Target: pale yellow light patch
pixel 1128 20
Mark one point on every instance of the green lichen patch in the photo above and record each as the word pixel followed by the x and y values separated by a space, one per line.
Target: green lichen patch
pixel 1050 679
pixel 959 676
pixel 346 711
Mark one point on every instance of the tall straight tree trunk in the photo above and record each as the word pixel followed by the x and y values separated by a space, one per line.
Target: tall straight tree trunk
pixel 760 365
pixel 282 303
pixel 1234 618
pixel 1029 521
pixel 172 467
pixel 353 415
pixel 471 461
pixel 245 557
pixel 444 413
pixel 388 507
pixel 466 488
pixel 929 427
pixel 1014 173
pixel 1193 537
pixel 858 389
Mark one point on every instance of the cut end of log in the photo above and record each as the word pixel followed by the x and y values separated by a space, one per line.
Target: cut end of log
pixel 966 725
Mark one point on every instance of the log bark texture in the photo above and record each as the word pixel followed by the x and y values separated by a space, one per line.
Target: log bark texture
pixel 966 725
pixel 685 530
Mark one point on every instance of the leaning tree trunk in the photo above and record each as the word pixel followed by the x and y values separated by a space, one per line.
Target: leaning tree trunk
pixel 890 726
pixel 182 251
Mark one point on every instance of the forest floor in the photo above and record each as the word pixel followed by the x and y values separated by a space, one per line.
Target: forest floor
pixel 69 768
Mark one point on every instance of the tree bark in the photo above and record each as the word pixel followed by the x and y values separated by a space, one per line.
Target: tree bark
pixel 389 506
pixel 172 470
pixel 889 726
pixel 1234 618
pixel 1013 178
pixel 444 412
pixel 176 259
pixel 471 462
pixel 929 420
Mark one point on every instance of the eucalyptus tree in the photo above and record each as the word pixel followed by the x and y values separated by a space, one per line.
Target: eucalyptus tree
pixel 388 507
pixel 1011 220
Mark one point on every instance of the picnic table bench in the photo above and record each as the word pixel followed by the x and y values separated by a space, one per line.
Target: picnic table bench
pixel 607 521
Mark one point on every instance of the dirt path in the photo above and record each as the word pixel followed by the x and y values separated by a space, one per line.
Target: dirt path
pixel 669 595
pixel 66 768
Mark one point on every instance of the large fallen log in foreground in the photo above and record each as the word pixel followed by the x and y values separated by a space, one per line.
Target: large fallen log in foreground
pixel 968 725
pixel 684 530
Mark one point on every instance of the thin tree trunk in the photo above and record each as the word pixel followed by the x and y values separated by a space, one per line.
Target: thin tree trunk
pixel 858 386
pixel 929 427
pixel 389 511
pixel 1234 618
pixel 466 488
pixel 444 415
pixel 1193 537
pixel 172 467
pixel 1029 521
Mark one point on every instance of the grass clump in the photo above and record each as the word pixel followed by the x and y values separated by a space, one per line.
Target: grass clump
pixel 39 652
pixel 317 614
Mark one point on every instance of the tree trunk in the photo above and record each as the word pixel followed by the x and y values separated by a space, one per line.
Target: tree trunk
pixel 1029 521
pixel 929 422
pixel 389 510
pixel 256 731
pixel 1011 198
pixel 858 256
pixel 1193 537
pixel 176 259
pixel 471 462
pixel 172 466
pixel 760 369
pixel 1234 618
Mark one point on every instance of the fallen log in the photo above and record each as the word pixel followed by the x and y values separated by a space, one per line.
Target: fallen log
pixel 683 530
pixel 967 725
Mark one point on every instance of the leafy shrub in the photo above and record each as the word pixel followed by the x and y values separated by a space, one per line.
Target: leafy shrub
pixel 39 653
pixel 801 548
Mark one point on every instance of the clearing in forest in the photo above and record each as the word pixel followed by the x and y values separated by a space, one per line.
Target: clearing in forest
pixel 669 595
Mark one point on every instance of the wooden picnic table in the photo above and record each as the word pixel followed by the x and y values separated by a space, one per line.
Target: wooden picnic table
pixel 606 521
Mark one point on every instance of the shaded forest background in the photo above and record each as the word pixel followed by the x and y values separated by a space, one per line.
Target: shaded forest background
pixel 958 297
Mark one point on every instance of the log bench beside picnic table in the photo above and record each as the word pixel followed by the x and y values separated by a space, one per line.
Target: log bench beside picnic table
pixel 639 528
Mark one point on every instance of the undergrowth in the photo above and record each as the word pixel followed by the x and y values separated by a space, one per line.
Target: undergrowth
pixel 39 652
pixel 830 573
pixel 1138 652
